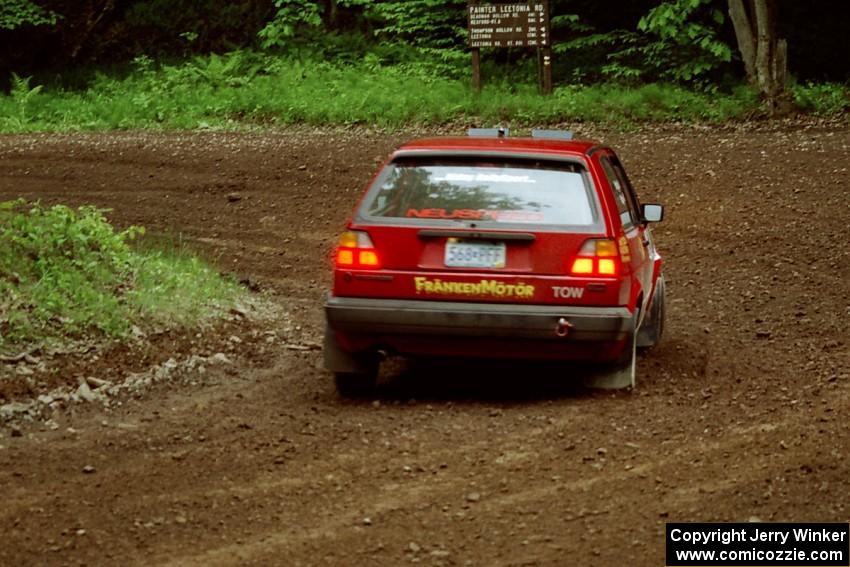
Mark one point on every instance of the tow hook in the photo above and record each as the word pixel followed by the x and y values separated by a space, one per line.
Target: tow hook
pixel 562 329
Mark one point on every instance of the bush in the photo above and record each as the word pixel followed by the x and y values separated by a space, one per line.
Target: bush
pixel 67 273
pixel 826 99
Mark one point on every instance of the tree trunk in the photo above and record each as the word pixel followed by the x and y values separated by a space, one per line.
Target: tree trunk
pixel 744 35
pixel 765 47
pixel 95 15
pixel 332 15
pixel 764 54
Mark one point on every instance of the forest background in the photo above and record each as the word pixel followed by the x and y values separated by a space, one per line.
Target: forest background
pixel 105 64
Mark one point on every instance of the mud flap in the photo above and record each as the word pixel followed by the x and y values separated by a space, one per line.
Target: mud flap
pixel 653 325
pixel 338 360
pixel 355 375
pixel 619 376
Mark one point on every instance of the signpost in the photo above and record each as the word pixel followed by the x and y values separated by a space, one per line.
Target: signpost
pixel 511 25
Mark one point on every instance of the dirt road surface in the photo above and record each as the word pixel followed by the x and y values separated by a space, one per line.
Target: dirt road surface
pixel 740 414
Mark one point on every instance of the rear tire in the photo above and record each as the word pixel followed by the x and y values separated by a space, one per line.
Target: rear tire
pixel 355 384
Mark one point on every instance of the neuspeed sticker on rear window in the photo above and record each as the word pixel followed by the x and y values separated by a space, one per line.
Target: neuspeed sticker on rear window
pixel 491 190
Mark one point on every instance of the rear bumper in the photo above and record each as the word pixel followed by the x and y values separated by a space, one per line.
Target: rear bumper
pixel 487 329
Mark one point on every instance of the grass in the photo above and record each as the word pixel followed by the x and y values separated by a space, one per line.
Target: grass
pixel 67 274
pixel 238 88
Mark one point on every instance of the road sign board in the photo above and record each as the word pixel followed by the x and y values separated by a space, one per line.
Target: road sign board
pixel 509 25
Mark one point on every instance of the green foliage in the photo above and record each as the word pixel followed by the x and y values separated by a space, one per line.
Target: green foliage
pixel 425 23
pixel 431 23
pixel 825 99
pixel 437 30
pixel 655 102
pixel 596 57
pixel 687 44
pixel 67 273
pixel 291 16
pixel 16 14
pixel 233 69
pixel 244 88
pixel 21 96
pixel 677 40
pixel 425 36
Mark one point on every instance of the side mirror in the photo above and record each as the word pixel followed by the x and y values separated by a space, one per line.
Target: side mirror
pixel 652 213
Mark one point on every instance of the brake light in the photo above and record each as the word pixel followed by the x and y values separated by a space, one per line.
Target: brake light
pixel 368 258
pixel 597 257
pixel 607 267
pixel 583 266
pixel 356 250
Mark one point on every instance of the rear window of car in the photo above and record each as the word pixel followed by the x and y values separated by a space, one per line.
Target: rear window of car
pixel 489 190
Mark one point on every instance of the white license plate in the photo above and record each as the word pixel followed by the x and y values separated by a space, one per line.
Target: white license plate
pixel 474 255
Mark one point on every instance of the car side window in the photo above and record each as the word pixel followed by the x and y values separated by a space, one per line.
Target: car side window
pixel 627 187
pixel 624 207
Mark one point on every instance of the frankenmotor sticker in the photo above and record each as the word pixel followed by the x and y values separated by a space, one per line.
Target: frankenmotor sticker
pixel 492 288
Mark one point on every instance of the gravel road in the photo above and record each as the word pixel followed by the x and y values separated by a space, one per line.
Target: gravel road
pixel 252 459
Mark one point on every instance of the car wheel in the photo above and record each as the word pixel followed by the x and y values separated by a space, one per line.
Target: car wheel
pixel 652 328
pixel 355 384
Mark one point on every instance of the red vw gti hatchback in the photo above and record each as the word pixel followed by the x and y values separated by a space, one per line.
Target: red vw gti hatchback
pixel 490 246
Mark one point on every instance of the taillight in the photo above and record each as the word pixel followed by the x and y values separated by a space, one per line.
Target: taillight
pixel 597 257
pixel 356 250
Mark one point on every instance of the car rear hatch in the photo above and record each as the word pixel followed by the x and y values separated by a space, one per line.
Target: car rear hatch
pixel 481 228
